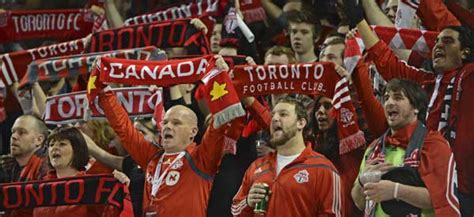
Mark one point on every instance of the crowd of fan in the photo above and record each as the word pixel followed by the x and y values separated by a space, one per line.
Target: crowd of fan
pixel 414 112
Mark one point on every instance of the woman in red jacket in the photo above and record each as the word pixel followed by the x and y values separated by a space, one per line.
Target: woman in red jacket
pixel 68 155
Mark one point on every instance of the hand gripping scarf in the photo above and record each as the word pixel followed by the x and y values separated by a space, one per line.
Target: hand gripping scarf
pixel 167 34
pixel 33 24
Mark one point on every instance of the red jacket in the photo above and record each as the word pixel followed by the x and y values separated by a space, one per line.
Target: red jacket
pixel 390 67
pixel 76 210
pixel 308 186
pixel 186 193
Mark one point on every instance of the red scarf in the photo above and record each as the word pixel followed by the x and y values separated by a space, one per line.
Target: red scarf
pixel 15 64
pixel 168 34
pixel 58 24
pixel 348 131
pixel 66 66
pixel 412 39
pixel 220 93
pixel 68 108
pixel 318 78
pixel 176 11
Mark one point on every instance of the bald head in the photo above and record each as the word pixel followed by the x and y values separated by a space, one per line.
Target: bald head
pixel 178 129
pixel 186 113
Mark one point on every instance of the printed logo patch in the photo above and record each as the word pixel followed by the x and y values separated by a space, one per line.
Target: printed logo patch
pixel 177 165
pixel 302 176
pixel 172 178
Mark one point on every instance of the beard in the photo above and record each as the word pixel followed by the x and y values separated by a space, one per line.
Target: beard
pixel 287 135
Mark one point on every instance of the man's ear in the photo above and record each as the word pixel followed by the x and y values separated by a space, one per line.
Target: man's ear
pixel 465 53
pixel 301 123
pixel 40 140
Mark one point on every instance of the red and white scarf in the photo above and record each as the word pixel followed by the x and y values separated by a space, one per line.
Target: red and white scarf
pixel 397 38
pixel 80 64
pixel 168 34
pixel 177 11
pixel 318 78
pixel 348 131
pixel 14 65
pixel 32 24
pixel 220 93
pixel 69 108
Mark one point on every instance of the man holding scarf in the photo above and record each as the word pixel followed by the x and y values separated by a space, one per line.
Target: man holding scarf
pixel 449 88
pixel 415 164
pixel 179 173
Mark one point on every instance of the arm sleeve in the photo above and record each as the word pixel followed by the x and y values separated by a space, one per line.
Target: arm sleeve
pixel 239 202
pixel 132 140
pixel 372 108
pixel 390 67
pixel 261 114
pixel 437 169
pixel 329 194
pixel 435 15
pixel 209 153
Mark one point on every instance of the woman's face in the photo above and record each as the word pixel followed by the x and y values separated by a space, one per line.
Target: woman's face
pixel 323 119
pixel 60 153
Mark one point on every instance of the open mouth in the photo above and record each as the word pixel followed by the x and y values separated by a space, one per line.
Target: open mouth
pixel 168 136
pixel 392 114
pixel 55 156
pixel 438 54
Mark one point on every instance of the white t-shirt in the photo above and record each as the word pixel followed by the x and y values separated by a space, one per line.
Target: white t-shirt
pixel 282 161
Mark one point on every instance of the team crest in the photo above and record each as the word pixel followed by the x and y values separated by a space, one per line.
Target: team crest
pixel 230 21
pixel 346 116
pixel 172 178
pixel 178 164
pixel 302 176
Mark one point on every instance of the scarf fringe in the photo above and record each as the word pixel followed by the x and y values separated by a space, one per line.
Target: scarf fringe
pixel 230 145
pixel 229 113
pixel 351 142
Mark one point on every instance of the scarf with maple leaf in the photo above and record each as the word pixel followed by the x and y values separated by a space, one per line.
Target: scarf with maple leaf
pixel 57 24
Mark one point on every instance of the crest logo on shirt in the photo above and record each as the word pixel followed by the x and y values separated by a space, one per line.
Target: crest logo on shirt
pixel 172 178
pixel 149 178
pixel 302 176
pixel 178 164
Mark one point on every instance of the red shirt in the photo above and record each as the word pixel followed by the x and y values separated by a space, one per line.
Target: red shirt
pixel 185 189
pixel 390 67
pixel 308 186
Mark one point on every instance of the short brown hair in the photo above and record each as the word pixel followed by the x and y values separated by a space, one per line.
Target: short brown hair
pixel 300 109
pixel 282 50
pixel 304 16
pixel 80 156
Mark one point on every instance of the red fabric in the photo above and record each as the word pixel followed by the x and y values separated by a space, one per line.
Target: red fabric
pixel 59 24
pixel 348 132
pixel 435 15
pixel 320 195
pixel 191 191
pixel 76 210
pixel 389 66
pixel 94 85
pixel 15 64
pixel 317 78
pixel 436 167
pixel 461 13
pixel 221 96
